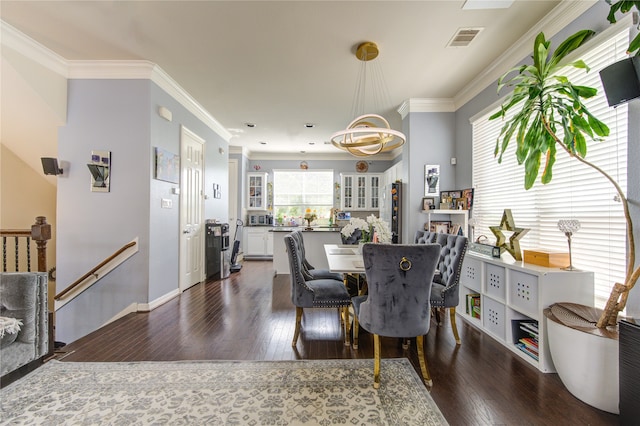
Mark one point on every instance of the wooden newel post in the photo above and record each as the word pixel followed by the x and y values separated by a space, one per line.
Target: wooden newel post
pixel 41 233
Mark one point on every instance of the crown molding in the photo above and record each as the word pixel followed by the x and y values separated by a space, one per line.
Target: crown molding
pixel 561 16
pixel 73 69
pixel 139 69
pixel 338 156
pixel 28 47
pixel 426 105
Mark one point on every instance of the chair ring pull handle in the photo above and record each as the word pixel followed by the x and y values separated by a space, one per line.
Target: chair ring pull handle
pixel 405 264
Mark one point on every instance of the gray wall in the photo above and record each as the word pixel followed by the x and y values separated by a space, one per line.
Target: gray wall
pixel 121 116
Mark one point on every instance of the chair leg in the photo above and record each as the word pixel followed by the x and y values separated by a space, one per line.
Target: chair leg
pixel 296 333
pixel 405 343
pixel 347 331
pixel 376 361
pixel 356 327
pixel 454 327
pixel 423 361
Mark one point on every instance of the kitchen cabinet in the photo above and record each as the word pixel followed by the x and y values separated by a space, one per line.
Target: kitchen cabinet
pixel 360 191
pixel 256 191
pixel 259 242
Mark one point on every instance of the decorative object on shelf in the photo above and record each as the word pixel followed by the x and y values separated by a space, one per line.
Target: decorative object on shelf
pixel 368 134
pixel 473 221
pixel 486 249
pixel 100 167
pixel 569 227
pixel 310 216
pixel 428 203
pixel 468 195
pixel 431 180
pixel 362 166
pixel 507 224
pixel 304 165
pixel 372 228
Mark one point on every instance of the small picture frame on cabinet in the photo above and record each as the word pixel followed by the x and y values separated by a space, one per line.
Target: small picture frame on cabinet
pixel 428 203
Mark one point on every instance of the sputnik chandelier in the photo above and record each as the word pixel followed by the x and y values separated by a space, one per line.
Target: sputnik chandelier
pixel 368 134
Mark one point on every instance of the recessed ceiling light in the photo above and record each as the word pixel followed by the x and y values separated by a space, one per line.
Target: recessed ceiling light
pixel 303 152
pixel 312 143
pixel 251 125
pixel 263 143
pixel 309 125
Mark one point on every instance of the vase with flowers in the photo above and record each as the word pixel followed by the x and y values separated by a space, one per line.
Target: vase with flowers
pixel 373 229
pixel 310 216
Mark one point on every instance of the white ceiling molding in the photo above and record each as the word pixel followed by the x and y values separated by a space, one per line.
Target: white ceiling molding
pixel 426 105
pixel 146 70
pixel 31 49
pixel 565 13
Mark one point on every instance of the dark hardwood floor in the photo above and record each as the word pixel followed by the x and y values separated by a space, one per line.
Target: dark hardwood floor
pixel 249 317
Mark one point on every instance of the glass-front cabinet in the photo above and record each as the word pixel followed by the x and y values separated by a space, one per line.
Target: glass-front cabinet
pixel 256 191
pixel 360 191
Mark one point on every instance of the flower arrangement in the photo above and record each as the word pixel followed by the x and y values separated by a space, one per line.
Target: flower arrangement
pixel 310 216
pixel 367 228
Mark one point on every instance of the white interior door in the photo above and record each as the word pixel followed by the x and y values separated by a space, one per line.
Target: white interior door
pixel 191 204
pixel 233 195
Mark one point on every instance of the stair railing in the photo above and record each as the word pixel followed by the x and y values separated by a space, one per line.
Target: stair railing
pixel 96 273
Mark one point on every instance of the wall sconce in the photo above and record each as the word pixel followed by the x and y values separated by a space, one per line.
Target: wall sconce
pixel 165 113
pixel 50 166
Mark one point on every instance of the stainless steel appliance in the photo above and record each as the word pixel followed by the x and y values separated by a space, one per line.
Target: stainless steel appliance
pixel 391 210
pixel 260 219
pixel 217 257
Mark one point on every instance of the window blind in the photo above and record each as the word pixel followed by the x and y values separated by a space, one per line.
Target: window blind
pixel 575 192
pixel 296 190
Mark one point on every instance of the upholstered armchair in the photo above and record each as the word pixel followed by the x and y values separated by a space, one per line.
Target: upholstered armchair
pixel 353 238
pixel 400 278
pixel 314 293
pixel 307 269
pixel 445 290
pixel 425 237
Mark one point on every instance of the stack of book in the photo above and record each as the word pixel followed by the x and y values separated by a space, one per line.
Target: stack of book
pixel 528 343
pixel 473 305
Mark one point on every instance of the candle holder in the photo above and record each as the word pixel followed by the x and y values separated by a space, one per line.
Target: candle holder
pixel 569 227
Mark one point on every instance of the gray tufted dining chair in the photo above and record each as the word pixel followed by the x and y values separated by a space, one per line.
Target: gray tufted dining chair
pixel 308 270
pixel 445 290
pixel 400 278
pixel 314 293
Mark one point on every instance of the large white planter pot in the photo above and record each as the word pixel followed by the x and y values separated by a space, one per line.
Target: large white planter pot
pixel 587 365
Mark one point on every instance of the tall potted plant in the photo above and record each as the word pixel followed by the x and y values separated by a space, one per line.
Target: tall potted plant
pixel 550 116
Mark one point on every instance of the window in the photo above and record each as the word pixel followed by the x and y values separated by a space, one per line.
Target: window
pixel 575 192
pixel 295 191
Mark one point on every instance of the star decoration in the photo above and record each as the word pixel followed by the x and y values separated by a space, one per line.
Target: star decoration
pixel 513 245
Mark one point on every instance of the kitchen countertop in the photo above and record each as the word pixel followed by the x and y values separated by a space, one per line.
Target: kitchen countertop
pixel 303 229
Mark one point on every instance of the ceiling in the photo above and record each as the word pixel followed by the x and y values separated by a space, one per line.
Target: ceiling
pixel 281 65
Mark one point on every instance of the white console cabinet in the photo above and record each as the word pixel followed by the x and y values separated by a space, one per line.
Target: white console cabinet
pixel 512 293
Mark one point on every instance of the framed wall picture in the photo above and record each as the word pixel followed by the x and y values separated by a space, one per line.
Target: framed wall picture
pixel 431 180
pixel 428 203
pixel 167 166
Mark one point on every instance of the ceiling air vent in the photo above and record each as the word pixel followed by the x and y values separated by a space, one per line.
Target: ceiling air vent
pixel 464 36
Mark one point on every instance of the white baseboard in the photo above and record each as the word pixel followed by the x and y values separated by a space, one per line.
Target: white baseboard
pixel 145 307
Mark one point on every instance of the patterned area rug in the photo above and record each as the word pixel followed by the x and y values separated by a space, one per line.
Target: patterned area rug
pixel 220 393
